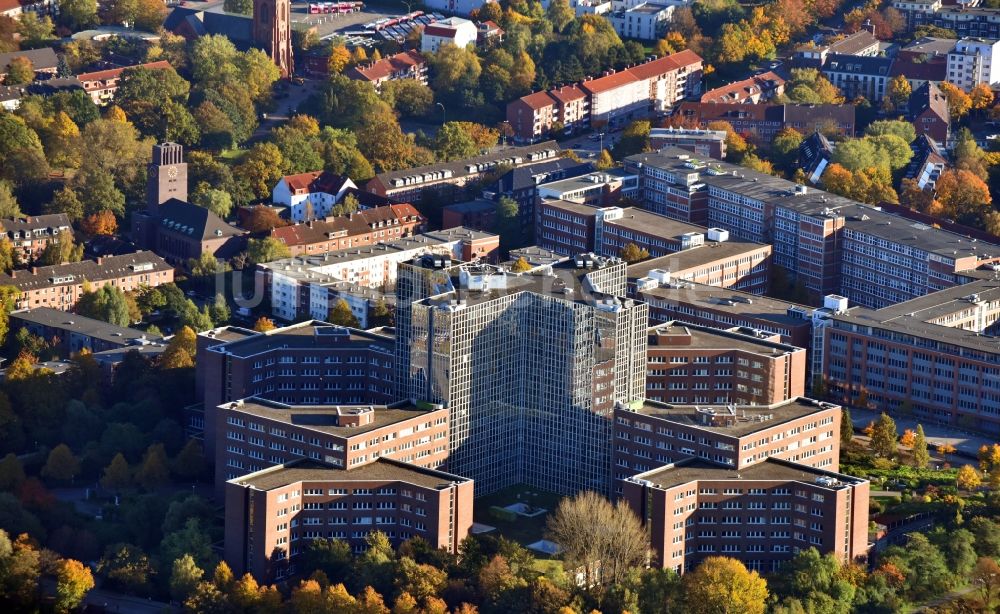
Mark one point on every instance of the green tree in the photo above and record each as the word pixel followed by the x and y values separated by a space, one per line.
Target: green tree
pixel 341 315
pixel 507 224
pixel 409 97
pixel 9 209
pixel 243 7
pixel 634 140
pixel 107 303
pixel 350 204
pixel 78 14
pixel 19 72
pixel 73 582
pixel 96 190
pixel 453 143
pixel 884 437
pixel 11 473
pixel 846 427
pixel 190 539
pixel 903 130
pixel 61 250
pixel 920 455
pixel 154 471
pixel 62 465
pixel 127 567
pixel 184 577
pixel 267 249
pixel 785 148
pixel 117 475
pixel 560 14
pixel 219 310
pixel 816 581
pixel 65 201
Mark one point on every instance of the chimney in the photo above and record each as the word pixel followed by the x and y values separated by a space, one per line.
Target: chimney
pixel 99 260
pixel 34 270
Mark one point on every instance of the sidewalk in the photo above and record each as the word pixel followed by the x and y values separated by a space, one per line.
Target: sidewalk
pixel 967 444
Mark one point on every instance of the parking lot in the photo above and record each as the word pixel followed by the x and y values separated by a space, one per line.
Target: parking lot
pixel 352 25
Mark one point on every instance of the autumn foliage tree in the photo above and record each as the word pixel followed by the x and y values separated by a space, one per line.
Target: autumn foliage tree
pixel 968 478
pixel 961 192
pixel 722 585
pixel 100 223
pixel 959 103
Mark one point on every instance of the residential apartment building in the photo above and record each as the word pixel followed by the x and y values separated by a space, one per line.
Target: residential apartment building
pixel 43 61
pixel 451 31
pixel 727 308
pixel 929 112
pixel 29 236
pixel 830 244
pixel 927 163
pixel 75 333
pixel 446 178
pixel 255 434
pixel 762 514
pixel 935 357
pixel 529 365
pixel 705 143
pixel 974 61
pixel 761 122
pixel 691 364
pixel 756 89
pixel 646 21
pixel 102 84
pixel 301 286
pixel 859 76
pixel 309 196
pixel 862 44
pixel 61 286
pixel 974 22
pixel 522 184
pixel 406 65
pixel 310 363
pixel 799 430
pixel 272 514
pixel 360 229
pixel 614 98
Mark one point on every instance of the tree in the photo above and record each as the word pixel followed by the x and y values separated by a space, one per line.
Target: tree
pixel 154 471
pixel 61 250
pixel 560 14
pixel 809 86
pixel 100 223
pixel 64 201
pixel 589 530
pixel 11 473
pixel 632 253
pixel 7 255
pixel 207 599
pixel 107 303
pixel 126 566
pixel 243 7
pixel 962 192
pixel 755 162
pixel 73 582
pixel 453 143
pixel 184 577
pixel 981 96
pixel 907 438
pixel 420 581
pixel 846 427
pixel 262 219
pixel 19 72
pixel 264 324
pixel 785 148
pixel 350 204
pixel 920 455
pixel 721 585
pixel 959 103
pixel 78 14
pixel 8 203
pixel 267 249
pixel 520 266
pixel 218 202
pixel 96 190
pixel 61 140
pixel 62 465
pixel 409 97
pixel 260 169
pixel 507 224
pixel 986 579
pixel 190 461
pixel 898 91
pixel 117 475
pixel 884 436
pixel 340 58
pixel 634 139
pixel 903 130
pixel 180 352
pixel 604 161
pixel 341 315
pixel 968 478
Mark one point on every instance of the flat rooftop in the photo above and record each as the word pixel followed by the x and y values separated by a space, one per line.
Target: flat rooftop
pixel 771 469
pixel 323 418
pixel 674 334
pixel 646 222
pixel 738 420
pixel 227 334
pixel 535 255
pixel 97 329
pixel 729 301
pixel 307 470
pixel 588 181
pixel 306 335
pixel 685 259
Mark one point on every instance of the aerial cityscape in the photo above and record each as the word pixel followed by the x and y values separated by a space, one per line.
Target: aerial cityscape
pixel 500 306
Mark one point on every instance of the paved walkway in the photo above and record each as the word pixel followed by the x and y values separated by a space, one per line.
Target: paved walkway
pixel 966 443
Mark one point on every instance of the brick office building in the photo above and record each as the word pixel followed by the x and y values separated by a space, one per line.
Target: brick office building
pixel 937 356
pixel 254 434
pixel 799 430
pixel 762 514
pixel 308 363
pixel 272 514
pixel 688 363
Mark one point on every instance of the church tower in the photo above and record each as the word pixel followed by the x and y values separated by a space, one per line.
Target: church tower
pixel 167 176
pixel 272 32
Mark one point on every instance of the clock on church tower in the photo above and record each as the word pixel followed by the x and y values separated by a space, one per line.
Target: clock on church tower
pixel 167 176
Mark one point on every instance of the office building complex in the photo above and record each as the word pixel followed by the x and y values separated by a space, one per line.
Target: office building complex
pixel 827 243
pixel 688 363
pixel 259 433
pixel 529 365
pixel 311 363
pixel 272 514
pixel 762 514
pixel 937 356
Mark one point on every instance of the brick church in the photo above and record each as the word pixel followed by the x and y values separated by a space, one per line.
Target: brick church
pixel 175 229
pixel 269 28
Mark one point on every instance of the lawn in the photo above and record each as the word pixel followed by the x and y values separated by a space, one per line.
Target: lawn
pixel 522 530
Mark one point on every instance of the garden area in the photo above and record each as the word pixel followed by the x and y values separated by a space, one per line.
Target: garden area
pixel 518 513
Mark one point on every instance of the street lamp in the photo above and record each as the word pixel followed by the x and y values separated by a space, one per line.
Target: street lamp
pixel 444 114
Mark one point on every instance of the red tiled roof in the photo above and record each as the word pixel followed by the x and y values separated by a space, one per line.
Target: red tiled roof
pixel 8 5
pixel 387 66
pixel 567 93
pixel 538 100
pixel 316 181
pixel 737 91
pixel 609 82
pixel 667 63
pixel 111 73
pixel 355 224
pixel 434 29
